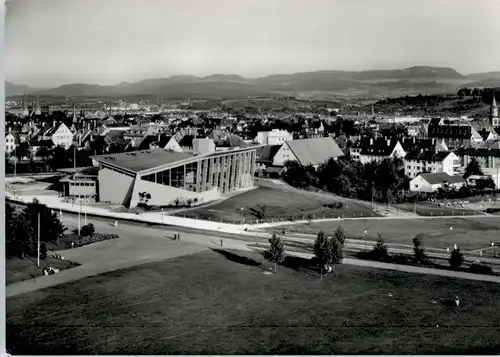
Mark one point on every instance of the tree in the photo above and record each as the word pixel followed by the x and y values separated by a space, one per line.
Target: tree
pixel 336 251
pixel 456 259
pixel 379 251
pixel 50 225
pixel 87 230
pixel 43 250
pixel 340 235
pixel 473 168
pixel 276 251
pixel 418 249
pixel 327 251
pixel 23 150
pixel 20 237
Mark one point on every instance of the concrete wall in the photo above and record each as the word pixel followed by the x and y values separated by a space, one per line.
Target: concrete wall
pixel 114 187
pixel 162 195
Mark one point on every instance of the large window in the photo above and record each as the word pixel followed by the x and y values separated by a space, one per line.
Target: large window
pixel 190 178
pixel 163 177
pixel 177 177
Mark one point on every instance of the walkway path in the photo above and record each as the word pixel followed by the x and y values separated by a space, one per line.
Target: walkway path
pixel 140 245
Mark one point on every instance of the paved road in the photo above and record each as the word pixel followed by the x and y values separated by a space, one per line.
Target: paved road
pixel 139 245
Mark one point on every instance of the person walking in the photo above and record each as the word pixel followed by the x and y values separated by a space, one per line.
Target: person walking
pixel 178 237
pixel 116 223
pixel 221 242
pixel 457 301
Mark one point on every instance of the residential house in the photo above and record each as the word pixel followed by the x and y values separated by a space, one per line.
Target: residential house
pixel 368 149
pixel 63 136
pixel 166 142
pixel 431 182
pixel 315 151
pixel 273 137
pixel 488 156
pixel 265 156
pixel 203 146
pixel 429 161
pixel 10 143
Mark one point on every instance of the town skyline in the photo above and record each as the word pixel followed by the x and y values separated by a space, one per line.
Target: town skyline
pixel 50 43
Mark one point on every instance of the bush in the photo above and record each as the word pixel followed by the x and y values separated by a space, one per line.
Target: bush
pixel 87 230
pixel 95 238
pixel 379 251
pixel 478 268
pixel 43 251
pixel 419 255
pixel 456 259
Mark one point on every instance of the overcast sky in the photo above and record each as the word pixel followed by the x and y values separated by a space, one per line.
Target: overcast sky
pixel 52 42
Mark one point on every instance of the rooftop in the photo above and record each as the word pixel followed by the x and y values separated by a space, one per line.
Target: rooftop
pixel 441 177
pixel 137 161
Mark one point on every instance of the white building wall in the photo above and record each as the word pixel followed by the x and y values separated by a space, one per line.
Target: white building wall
pixel 273 137
pixel 63 137
pixel 163 195
pixel 114 187
pixel 283 155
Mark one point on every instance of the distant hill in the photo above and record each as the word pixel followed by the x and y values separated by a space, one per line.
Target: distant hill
pixel 485 76
pixel 373 83
pixel 12 89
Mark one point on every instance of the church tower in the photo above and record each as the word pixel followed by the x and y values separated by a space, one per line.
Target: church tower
pixel 494 120
pixel 38 110
pixel 26 112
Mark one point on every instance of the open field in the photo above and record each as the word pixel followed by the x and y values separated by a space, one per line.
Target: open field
pixel 17 269
pixel 280 201
pixel 426 209
pixel 219 302
pixel 467 233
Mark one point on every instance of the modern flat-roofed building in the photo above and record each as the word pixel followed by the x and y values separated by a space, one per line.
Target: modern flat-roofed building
pixel 158 177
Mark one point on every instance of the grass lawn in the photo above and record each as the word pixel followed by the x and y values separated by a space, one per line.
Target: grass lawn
pixel 467 233
pixel 222 303
pixel 17 269
pixel 280 201
pixel 425 209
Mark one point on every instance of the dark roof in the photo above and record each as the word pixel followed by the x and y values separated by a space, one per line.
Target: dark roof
pixel 441 177
pixel 478 152
pixel 428 156
pixel 142 160
pixel 187 141
pixel 450 131
pixel 375 146
pixel 417 144
pixel 314 151
pixel 265 154
pixel 153 139
pixel 232 141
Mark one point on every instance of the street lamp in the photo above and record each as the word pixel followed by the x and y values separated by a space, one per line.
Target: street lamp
pixel 365 231
pixel 492 253
pixel 162 217
pixel 241 212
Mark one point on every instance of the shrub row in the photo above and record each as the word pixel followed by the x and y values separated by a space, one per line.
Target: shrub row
pixel 94 238
pixel 404 259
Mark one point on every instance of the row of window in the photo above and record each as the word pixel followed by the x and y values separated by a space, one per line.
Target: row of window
pixel 77 184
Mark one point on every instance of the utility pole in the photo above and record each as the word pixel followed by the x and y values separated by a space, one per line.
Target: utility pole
pixel 38 245
pixel 74 157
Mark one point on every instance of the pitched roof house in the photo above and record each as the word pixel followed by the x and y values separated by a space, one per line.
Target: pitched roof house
pixel 315 151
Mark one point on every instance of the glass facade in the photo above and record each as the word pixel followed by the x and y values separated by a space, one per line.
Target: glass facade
pixel 228 172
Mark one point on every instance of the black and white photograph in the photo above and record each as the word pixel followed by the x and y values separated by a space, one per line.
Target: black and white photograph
pixel 252 177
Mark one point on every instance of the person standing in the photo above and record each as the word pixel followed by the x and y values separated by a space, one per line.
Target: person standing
pixel 457 301
pixel 221 242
